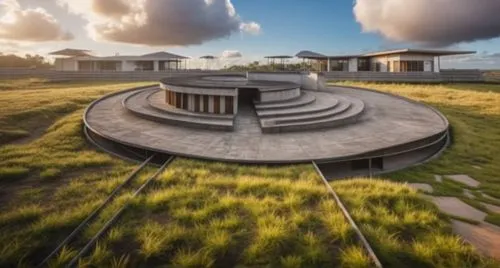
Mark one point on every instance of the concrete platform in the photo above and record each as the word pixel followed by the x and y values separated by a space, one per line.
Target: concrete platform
pixel 387 122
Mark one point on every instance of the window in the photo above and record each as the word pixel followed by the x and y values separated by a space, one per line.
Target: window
pixel 339 65
pixel 411 66
pixel 363 64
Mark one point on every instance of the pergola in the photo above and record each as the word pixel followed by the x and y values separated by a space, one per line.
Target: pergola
pixel 208 60
pixel 169 58
pixel 312 57
pixel 282 60
pixel 70 52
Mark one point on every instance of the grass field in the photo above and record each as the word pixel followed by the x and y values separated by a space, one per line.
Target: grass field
pixel 200 214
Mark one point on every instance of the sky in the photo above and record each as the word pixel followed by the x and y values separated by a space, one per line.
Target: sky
pixel 240 31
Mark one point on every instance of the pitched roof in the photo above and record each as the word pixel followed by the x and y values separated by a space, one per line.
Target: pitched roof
pixel 71 52
pixel 164 55
pixel 306 54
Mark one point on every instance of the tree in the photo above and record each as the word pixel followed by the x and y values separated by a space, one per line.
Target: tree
pixel 29 61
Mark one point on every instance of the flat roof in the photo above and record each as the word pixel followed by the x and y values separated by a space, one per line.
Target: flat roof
pixel 404 51
pixel 306 54
pixel 71 52
pixel 278 57
pixel 208 57
pixel 419 51
pixel 164 55
pixel 344 57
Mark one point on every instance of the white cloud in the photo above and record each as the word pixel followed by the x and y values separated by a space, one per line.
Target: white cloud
pixel 251 28
pixel 231 54
pixel 430 22
pixel 160 22
pixel 30 25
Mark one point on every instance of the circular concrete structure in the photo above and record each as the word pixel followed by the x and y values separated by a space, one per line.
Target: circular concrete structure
pixel 270 122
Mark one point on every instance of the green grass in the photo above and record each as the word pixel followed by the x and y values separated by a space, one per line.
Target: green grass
pixel 474 113
pixel 10 173
pixel 32 105
pixel 402 227
pixel 53 181
pixel 493 218
pixel 221 215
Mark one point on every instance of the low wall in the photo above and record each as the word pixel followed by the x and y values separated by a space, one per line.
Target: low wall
pixel 282 95
pixel 307 80
pixel 101 76
pixel 445 76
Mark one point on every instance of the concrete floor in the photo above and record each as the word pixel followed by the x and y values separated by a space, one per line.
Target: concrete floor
pixel 388 121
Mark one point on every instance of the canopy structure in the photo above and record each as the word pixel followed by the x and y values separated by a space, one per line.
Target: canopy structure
pixel 281 59
pixel 316 61
pixel 171 61
pixel 164 55
pixel 310 55
pixel 70 52
pixel 208 61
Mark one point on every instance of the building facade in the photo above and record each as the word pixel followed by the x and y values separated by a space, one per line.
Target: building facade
pixel 160 61
pixel 394 61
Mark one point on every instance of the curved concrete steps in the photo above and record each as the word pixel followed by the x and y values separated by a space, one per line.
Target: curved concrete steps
pixel 137 104
pixel 324 103
pixel 304 99
pixel 347 111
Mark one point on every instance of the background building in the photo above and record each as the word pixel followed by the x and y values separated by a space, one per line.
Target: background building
pixel 83 60
pixel 394 61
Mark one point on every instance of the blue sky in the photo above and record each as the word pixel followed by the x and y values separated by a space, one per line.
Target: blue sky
pixel 286 27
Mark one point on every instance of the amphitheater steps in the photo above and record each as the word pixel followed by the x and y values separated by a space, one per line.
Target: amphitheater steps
pixel 138 105
pixel 303 100
pixel 324 104
pixel 157 101
pixel 346 111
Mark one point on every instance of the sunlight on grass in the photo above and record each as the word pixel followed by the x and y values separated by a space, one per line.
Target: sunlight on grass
pixel 214 214
pixel 206 214
pixel 403 227
pixel 62 179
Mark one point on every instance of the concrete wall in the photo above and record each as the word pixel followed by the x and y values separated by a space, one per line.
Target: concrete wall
pixel 102 76
pixel 383 60
pixel 68 64
pixel 306 80
pixel 201 90
pixel 443 76
pixel 269 96
pixel 412 77
pixel 293 77
pixel 128 66
pixel 353 65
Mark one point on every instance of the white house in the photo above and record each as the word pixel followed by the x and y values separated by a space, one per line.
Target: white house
pixel 401 60
pixel 82 60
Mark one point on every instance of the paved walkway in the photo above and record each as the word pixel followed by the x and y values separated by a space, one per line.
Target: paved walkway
pixel 485 237
pixel 388 121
